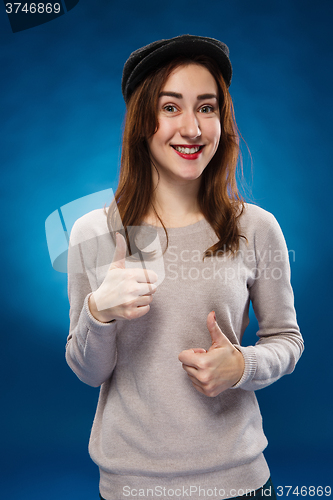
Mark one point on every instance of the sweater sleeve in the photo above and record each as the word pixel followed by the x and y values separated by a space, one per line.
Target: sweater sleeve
pixel 280 343
pixel 91 345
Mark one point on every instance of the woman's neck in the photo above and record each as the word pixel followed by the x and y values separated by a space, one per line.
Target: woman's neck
pixel 176 204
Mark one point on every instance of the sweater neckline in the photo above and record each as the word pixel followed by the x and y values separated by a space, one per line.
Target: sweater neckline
pixel 191 228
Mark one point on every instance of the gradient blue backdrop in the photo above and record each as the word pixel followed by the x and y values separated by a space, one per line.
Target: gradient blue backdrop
pixel 61 120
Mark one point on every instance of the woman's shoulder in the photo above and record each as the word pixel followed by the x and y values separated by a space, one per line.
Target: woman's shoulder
pixel 89 225
pixel 256 216
pixel 257 224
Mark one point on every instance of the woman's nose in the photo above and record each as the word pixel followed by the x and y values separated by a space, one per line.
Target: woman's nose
pixel 190 126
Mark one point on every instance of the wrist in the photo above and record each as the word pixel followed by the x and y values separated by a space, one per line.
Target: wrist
pixel 241 366
pixel 98 315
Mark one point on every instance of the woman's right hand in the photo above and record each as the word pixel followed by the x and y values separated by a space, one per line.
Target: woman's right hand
pixel 124 293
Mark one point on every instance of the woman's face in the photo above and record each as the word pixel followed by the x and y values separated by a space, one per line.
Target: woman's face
pixel 189 124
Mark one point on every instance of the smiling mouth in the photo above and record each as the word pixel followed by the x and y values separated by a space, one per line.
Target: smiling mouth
pixel 187 150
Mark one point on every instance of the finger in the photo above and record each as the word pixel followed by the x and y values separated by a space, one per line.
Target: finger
pixel 152 290
pixel 118 260
pixel 136 312
pixel 217 336
pixel 190 370
pixel 141 311
pixel 143 300
pixel 189 358
pixel 147 278
pixel 198 388
pixel 145 289
pixel 197 384
pixel 144 275
pixel 199 377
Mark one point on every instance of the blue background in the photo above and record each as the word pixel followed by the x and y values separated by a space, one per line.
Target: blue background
pixel 61 122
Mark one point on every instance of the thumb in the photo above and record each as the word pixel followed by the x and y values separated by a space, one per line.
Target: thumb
pixel 218 337
pixel 118 261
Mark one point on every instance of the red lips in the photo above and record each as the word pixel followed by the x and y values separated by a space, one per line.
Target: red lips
pixel 188 156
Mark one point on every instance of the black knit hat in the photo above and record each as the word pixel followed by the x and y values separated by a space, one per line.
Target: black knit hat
pixel 142 61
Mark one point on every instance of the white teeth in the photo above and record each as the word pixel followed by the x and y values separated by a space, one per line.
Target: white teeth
pixel 187 151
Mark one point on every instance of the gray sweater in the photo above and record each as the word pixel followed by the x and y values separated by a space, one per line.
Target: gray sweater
pixel 154 435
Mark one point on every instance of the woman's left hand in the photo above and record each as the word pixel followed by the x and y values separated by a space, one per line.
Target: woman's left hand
pixel 213 371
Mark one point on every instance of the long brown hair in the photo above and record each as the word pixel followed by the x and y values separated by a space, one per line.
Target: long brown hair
pixel 218 197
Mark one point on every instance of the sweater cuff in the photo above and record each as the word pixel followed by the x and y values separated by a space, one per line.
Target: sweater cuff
pixel 250 368
pixel 92 323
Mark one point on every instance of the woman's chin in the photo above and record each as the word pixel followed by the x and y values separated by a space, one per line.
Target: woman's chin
pixel 189 175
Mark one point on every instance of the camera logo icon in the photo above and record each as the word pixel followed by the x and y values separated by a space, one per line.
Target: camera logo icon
pixel 58 225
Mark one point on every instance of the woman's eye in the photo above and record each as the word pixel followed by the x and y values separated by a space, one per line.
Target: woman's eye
pixel 169 109
pixel 206 109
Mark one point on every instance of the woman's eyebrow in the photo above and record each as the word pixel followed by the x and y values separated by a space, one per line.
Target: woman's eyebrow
pixel 180 96
pixel 171 94
pixel 207 96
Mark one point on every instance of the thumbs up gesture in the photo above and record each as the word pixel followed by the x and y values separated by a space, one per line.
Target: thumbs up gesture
pixel 124 293
pixel 213 371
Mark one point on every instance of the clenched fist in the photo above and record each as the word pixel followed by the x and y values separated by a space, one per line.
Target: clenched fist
pixel 124 293
pixel 213 371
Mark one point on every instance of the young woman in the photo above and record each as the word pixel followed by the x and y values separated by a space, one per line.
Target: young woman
pixel 177 414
